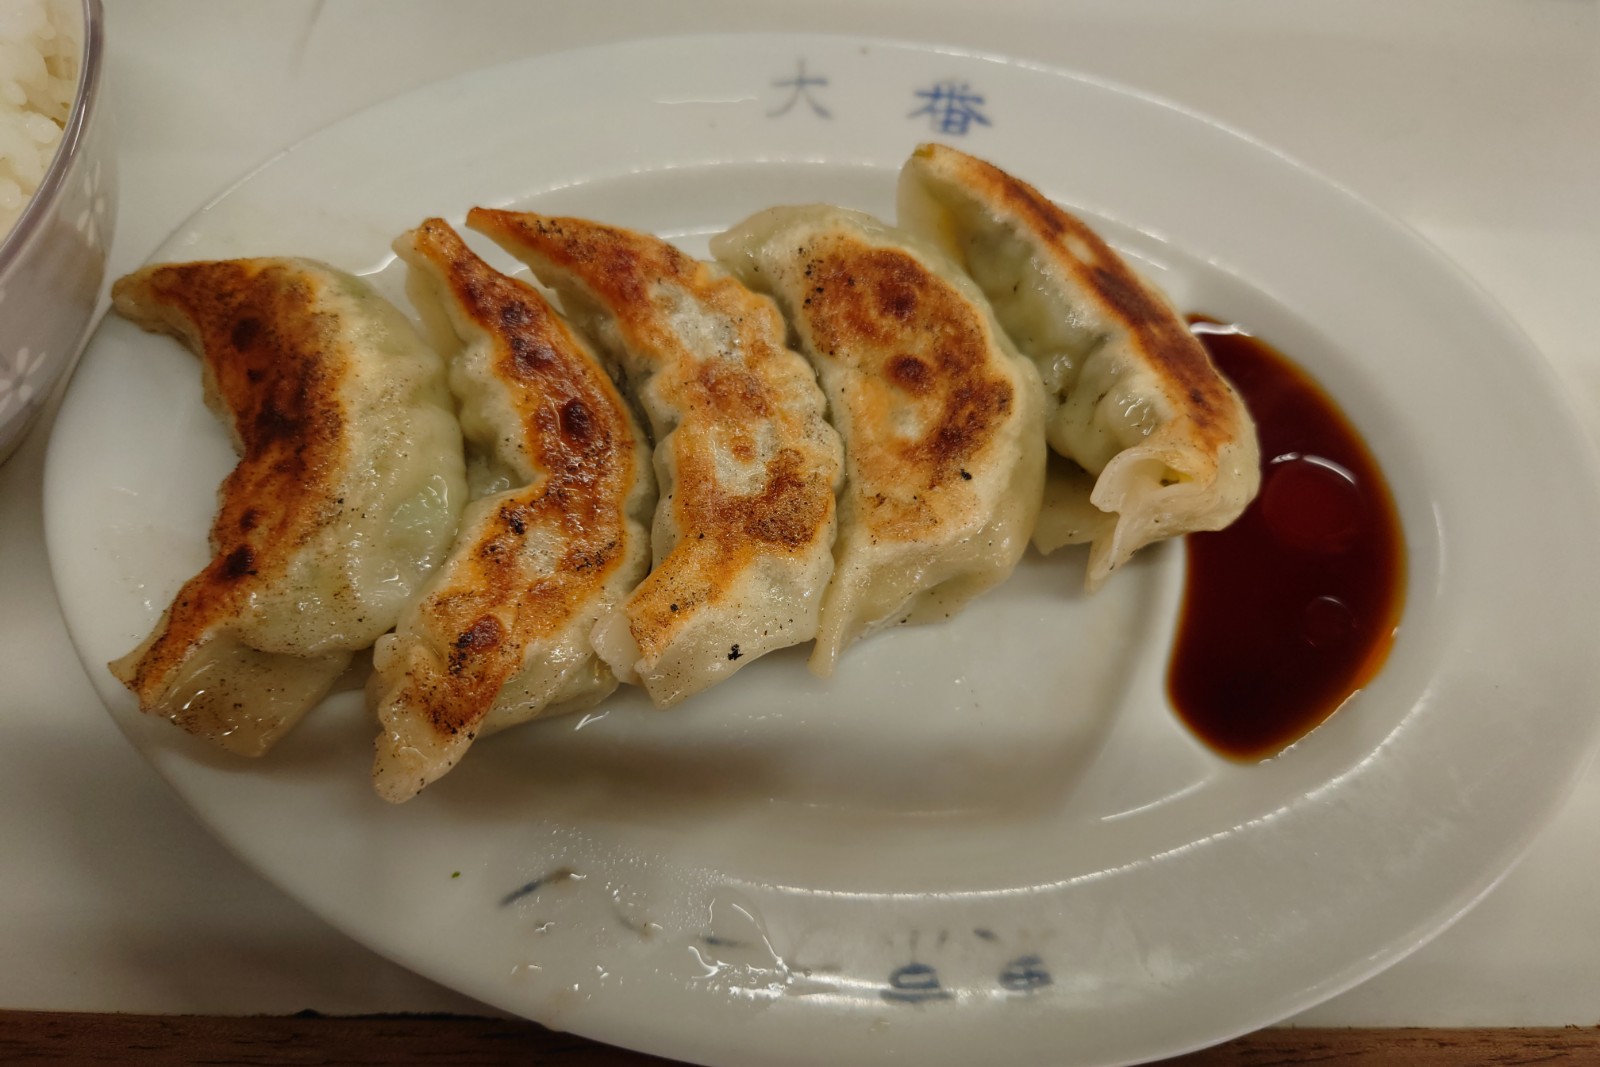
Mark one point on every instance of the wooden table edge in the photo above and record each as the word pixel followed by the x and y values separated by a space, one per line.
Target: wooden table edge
pixel 309 1038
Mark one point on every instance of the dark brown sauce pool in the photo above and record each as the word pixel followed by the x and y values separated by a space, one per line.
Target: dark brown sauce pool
pixel 1294 607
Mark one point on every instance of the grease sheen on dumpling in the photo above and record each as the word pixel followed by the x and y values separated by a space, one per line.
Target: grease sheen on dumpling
pixel 942 420
pixel 501 631
pixel 1131 397
pixel 347 491
pixel 746 463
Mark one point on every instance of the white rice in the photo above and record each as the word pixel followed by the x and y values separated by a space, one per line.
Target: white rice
pixel 41 42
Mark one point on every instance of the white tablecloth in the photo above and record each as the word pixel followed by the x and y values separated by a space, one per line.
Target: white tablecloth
pixel 1476 122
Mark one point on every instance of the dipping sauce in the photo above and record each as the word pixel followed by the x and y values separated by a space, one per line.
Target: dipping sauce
pixel 1294 607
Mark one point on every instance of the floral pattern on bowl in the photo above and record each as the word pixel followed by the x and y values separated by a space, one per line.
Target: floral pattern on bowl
pixel 52 264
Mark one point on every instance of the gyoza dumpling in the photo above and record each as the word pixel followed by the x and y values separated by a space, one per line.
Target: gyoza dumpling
pixel 1130 395
pixel 501 631
pixel 746 462
pixel 347 491
pixel 941 418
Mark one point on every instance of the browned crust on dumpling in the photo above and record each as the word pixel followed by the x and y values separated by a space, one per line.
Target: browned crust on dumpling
pixel 1156 331
pixel 575 429
pixel 726 396
pixel 274 369
pixel 918 345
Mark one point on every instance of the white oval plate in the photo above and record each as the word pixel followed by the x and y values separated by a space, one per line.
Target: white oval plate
pixel 981 837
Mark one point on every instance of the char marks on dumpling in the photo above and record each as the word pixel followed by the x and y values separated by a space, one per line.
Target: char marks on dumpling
pixel 1131 397
pixel 348 488
pixel 501 632
pixel 941 418
pixel 746 462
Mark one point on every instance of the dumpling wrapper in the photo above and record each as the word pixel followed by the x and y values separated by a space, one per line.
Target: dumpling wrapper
pixel 942 419
pixel 746 462
pixel 1131 396
pixel 501 632
pixel 347 492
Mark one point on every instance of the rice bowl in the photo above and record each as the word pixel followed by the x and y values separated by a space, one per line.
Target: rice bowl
pixel 57 197
pixel 41 46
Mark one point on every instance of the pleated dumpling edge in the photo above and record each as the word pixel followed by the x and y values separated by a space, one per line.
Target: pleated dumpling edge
pixel 1131 396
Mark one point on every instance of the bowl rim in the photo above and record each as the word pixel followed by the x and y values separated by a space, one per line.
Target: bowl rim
pixel 14 246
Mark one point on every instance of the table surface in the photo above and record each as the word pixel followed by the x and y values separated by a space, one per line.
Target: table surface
pixel 1473 121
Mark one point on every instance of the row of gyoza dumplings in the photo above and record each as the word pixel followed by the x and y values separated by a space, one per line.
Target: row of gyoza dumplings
pixel 945 357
